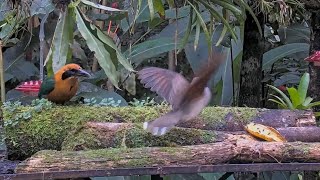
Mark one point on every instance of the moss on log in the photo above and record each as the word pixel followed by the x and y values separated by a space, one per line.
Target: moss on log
pixel 205 154
pixel 98 135
pixel 49 128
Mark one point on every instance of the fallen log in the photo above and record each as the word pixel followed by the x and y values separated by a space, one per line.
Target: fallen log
pixel 97 135
pixel 49 128
pixel 206 154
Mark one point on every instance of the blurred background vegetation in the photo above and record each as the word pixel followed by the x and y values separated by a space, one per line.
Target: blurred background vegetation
pixel 169 34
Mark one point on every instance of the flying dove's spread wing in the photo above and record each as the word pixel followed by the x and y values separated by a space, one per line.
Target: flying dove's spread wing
pixel 187 99
pixel 168 84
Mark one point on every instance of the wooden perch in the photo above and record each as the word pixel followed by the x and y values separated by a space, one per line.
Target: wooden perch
pixel 49 128
pixel 97 135
pixel 206 154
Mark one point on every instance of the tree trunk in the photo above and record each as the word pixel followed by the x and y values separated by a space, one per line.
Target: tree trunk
pixel 97 135
pixel 251 67
pixel 206 154
pixel 315 46
pixel 3 147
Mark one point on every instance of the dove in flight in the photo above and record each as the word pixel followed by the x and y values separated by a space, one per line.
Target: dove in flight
pixel 187 99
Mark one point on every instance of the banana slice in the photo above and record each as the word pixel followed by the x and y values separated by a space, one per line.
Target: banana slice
pixel 264 132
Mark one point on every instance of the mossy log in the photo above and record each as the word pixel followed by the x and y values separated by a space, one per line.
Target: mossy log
pixel 205 154
pixel 49 128
pixel 98 135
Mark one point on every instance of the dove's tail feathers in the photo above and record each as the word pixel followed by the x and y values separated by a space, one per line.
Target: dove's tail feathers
pixel 156 131
pixel 163 124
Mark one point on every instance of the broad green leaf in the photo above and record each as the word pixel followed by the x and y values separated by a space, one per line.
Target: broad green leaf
pixel 303 86
pixel 60 51
pixel 285 97
pixel 307 101
pixel 41 7
pixel 151 9
pixel 287 78
pixel 14 59
pixel 275 54
pixel 294 96
pixel 7 77
pixel 294 33
pixel 7 29
pixel 227 90
pixel 88 90
pixel 148 49
pixel 182 12
pixel 99 6
pixel 140 15
pixel 94 44
pixel 185 39
pixel 5 10
pixel 159 7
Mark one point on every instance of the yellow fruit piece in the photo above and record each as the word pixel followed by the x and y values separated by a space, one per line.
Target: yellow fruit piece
pixel 264 132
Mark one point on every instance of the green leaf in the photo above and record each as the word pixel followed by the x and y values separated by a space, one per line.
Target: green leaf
pixel 196 40
pixel 60 51
pixel 41 7
pixel 285 97
pixel 148 49
pixel 88 91
pixel 303 86
pixel 159 7
pixel 94 44
pixel 185 39
pixel 294 96
pixel 223 33
pixel 99 6
pixel 171 3
pixel 316 114
pixel 203 25
pixel 307 101
pixel 112 47
pixel 280 100
pixel 284 106
pixel 218 16
pixel 151 9
pixel 275 54
pixel 313 104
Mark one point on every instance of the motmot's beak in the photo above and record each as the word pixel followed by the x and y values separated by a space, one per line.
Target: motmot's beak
pixel 82 73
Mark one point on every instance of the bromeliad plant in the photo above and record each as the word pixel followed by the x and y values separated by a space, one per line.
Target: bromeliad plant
pixel 297 97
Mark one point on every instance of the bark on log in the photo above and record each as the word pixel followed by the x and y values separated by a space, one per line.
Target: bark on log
pixel 206 154
pixel 49 128
pixel 97 135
